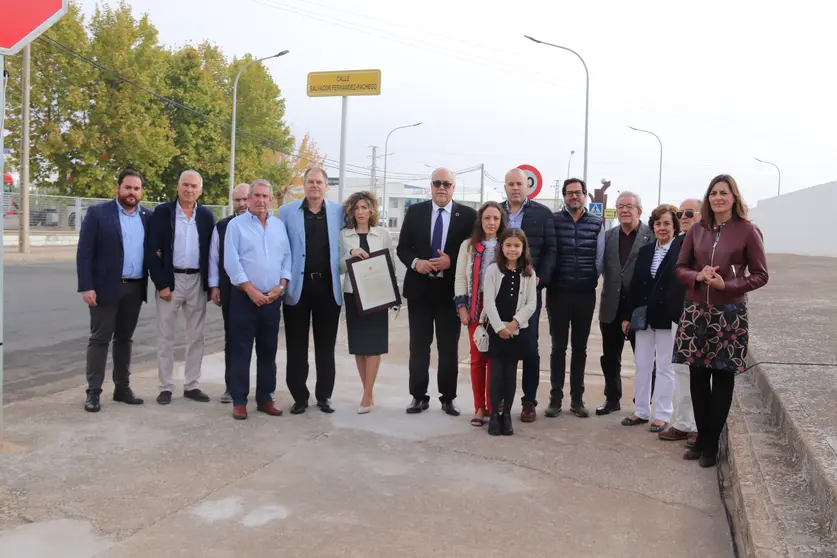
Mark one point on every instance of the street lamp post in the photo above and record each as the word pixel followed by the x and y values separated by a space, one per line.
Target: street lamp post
pixel 232 133
pixel 386 143
pixel 779 187
pixel 570 162
pixel 587 96
pixel 660 173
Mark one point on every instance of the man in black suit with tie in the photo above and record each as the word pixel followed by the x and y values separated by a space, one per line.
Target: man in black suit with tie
pixel 429 245
pixel 113 282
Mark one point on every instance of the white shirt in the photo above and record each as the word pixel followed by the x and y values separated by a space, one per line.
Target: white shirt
pixel 445 215
pixel 186 253
pixel 659 255
pixel 214 256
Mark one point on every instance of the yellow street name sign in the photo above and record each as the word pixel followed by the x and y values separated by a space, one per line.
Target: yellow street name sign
pixel 610 214
pixel 350 83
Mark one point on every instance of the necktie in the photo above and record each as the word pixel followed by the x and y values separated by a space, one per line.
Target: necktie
pixel 436 240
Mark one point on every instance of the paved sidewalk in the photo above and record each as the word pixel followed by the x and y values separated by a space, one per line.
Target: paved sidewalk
pixel 186 480
pixel 40 254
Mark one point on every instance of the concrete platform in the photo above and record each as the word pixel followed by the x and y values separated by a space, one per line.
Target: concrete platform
pixel 187 480
pixel 782 441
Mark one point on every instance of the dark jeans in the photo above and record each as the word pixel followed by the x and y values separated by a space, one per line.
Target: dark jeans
pixel 249 323
pixel 532 360
pixel 503 383
pixel 116 321
pixel 711 404
pixel 317 311
pixel 436 308
pixel 569 312
pixel 225 314
pixel 613 341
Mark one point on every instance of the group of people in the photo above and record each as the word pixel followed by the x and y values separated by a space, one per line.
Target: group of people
pixel 674 288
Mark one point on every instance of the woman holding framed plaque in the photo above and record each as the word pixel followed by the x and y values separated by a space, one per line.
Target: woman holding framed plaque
pixel 475 255
pixel 369 333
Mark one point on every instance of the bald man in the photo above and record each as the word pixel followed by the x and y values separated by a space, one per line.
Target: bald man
pixel 219 281
pixel 428 245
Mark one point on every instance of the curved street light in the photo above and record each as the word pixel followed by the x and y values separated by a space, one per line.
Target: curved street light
pixel 779 187
pixel 587 96
pixel 386 143
pixel 660 174
pixel 232 133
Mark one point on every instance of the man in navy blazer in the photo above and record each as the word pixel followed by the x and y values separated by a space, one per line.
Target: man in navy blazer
pixel 113 282
pixel 177 252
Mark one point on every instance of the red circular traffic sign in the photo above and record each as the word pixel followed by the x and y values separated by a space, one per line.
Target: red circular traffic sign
pixel 22 22
pixel 534 178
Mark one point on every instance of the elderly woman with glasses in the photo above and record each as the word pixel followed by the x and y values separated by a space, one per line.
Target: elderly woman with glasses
pixel 368 334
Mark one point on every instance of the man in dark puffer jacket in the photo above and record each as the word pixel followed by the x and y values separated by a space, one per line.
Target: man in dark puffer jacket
pixel 537 222
pixel 571 298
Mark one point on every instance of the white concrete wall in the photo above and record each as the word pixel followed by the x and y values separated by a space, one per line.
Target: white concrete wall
pixel 800 222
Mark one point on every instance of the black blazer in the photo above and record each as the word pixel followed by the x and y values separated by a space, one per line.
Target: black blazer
pixel 657 293
pixel 100 253
pixel 159 244
pixel 414 242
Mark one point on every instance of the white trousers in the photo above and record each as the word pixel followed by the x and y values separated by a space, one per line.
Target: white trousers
pixel 188 295
pixel 684 413
pixel 653 343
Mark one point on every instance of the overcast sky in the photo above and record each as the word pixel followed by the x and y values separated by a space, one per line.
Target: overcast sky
pixel 719 81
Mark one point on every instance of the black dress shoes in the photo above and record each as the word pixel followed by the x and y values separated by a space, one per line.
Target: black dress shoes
pixel 325 406
pixel 91 405
pixel 164 398
pixel 126 395
pixel 449 407
pixel 508 429
pixel 609 407
pixel 495 426
pixel 196 395
pixel 417 406
pixel 299 407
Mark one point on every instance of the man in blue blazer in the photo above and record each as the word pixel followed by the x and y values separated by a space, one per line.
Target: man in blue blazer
pixel 313 225
pixel 113 282
pixel 177 252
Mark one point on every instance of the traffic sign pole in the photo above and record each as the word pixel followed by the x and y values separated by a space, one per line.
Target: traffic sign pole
pixel 3 80
pixel 341 188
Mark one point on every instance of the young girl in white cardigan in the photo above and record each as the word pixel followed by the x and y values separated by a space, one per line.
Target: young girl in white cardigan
pixel 509 297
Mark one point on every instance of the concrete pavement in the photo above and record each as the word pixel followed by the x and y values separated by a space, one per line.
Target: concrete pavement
pixel 187 480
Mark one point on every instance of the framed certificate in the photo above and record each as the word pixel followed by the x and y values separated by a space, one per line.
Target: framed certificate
pixel 373 281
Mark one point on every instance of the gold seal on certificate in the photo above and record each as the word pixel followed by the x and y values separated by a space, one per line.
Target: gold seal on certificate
pixel 373 281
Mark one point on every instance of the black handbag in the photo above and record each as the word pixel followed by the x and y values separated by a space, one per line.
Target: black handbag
pixel 639 317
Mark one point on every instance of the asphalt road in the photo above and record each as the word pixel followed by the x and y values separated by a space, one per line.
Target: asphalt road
pixel 47 327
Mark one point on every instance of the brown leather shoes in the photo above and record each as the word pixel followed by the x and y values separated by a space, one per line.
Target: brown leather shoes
pixel 692 440
pixel 672 435
pixel 239 412
pixel 528 414
pixel 269 408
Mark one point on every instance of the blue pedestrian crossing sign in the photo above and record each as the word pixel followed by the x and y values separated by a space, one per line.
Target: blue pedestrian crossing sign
pixel 596 209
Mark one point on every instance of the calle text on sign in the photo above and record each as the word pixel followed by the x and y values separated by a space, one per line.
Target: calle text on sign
pixel 351 83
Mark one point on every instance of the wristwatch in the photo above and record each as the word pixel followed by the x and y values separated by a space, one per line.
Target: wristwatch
pixel 281 290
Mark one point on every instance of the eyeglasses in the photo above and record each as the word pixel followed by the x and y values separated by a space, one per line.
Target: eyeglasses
pixel 688 214
pixel 625 207
pixel 577 193
pixel 440 184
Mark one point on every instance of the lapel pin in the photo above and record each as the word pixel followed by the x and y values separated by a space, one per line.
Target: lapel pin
pixel 456 214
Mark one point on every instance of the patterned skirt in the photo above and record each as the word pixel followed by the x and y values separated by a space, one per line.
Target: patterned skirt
pixel 713 336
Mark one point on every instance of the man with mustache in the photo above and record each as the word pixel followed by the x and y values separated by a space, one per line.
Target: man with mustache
pixel 177 252
pixel 113 283
pixel 219 281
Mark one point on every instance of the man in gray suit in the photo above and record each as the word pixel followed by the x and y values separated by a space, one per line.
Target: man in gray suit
pixel 622 245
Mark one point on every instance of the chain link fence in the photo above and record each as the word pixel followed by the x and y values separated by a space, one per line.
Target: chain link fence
pixel 49 214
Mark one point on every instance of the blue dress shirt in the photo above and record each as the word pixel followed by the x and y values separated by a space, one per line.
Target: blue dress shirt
pixel 260 255
pixel 133 242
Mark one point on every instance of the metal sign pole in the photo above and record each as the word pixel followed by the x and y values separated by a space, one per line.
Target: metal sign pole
pixel 3 80
pixel 342 186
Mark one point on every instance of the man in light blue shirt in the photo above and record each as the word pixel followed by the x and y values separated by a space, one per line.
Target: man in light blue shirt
pixel 133 242
pixel 257 258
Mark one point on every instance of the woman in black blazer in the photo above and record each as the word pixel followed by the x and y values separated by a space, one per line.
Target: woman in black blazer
pixel 650 288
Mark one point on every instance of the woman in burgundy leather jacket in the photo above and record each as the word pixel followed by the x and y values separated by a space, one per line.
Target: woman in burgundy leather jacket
pixel 722 259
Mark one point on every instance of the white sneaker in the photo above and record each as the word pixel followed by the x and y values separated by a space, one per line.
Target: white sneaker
pixel 226 398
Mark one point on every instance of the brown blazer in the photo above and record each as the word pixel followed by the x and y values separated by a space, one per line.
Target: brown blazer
pixel 736 248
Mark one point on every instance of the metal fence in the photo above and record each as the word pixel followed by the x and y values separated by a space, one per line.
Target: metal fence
pixel 63 213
